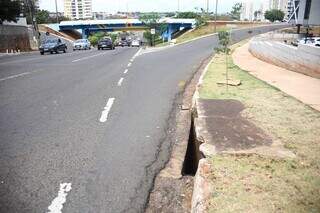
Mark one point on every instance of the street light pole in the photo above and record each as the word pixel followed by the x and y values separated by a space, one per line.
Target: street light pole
pixel 207 7
pixel 215 17
pixel 57 12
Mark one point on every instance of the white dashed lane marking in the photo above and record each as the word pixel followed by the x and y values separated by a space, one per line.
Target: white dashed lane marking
pixel 87 57
pixel 129 65
pixel 15 76
pixel 120 81
pixel 57 204
pixel 125 71
pixel 105 112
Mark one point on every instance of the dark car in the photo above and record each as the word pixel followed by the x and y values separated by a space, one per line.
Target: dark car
pixel 52 45
pixel 105 44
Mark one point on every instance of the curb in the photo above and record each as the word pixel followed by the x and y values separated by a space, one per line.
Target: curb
pixel 201 189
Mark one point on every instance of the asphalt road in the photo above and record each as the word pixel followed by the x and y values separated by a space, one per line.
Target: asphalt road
pixel 89 129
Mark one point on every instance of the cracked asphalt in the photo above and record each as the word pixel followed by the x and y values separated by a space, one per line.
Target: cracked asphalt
pixel 51 131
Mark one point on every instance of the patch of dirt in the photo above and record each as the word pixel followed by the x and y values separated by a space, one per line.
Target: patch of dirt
pixel 228 129
pixel 171 195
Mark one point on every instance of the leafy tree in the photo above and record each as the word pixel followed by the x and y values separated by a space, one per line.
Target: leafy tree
pixel 187 15
pixel 236 10
pixel 170 14
pixel 274 15
pixel 42 16
pixel 152 21
pixel 96 37
pixel 9 10
pixel 28 9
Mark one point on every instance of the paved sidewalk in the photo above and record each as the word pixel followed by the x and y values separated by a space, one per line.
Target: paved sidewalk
pixel 302 87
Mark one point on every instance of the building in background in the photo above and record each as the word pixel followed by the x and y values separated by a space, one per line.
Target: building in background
pixel 78 9
pixel 292 10
pixel 278 5
pixel 247 11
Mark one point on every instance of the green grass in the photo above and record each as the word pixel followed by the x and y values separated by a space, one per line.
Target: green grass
pixel 253 183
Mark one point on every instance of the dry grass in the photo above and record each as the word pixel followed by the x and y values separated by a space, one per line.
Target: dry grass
pixel 253 183
pixel 201 31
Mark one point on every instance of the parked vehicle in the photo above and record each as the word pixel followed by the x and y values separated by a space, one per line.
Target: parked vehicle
pixel 135 43
pixel 52 45
pixel 106 44
pixel 81 44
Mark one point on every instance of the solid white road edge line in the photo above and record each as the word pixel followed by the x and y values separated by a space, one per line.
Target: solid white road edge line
pixel 120 82
pixel 15 76
pixel 105 112
pixel 57 204
pixel 87 57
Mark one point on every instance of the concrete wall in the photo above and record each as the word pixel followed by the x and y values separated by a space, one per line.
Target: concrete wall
pixel 303 59
pixel 14 37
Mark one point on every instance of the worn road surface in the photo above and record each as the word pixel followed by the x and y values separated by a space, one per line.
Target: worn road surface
pixel 86 131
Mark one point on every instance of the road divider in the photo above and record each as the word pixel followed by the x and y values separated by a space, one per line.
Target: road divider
pixel 105 112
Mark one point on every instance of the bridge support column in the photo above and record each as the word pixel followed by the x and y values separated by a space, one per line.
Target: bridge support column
pixel 85 33
pixel 170 30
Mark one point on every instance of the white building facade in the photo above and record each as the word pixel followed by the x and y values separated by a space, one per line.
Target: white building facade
pixel 247 11
pixel 78 9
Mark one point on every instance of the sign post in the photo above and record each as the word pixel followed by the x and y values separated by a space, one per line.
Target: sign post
pixel 153 32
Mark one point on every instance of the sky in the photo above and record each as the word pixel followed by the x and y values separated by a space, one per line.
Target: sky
pixel 113 6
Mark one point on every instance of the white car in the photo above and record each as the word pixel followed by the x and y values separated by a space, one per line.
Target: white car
pixel 135 43
pixel 317 41
pixel 81 44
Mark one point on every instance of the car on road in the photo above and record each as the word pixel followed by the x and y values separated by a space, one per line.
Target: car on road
pixel 106 44
pixel 81 44
pixel 123 43
pixel 135 43
pixel 52 45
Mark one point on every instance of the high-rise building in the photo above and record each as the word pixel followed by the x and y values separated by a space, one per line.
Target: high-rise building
pixel 78 9
pixel 278 5
pixel 247 11
pixel 292 7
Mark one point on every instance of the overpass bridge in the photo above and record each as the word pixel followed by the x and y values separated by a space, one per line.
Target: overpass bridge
pixel 110 25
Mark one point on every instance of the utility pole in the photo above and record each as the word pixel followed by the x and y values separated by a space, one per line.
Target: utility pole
pixel 215 17
pixel 178 5
pixel 207 7
pixel 57 12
